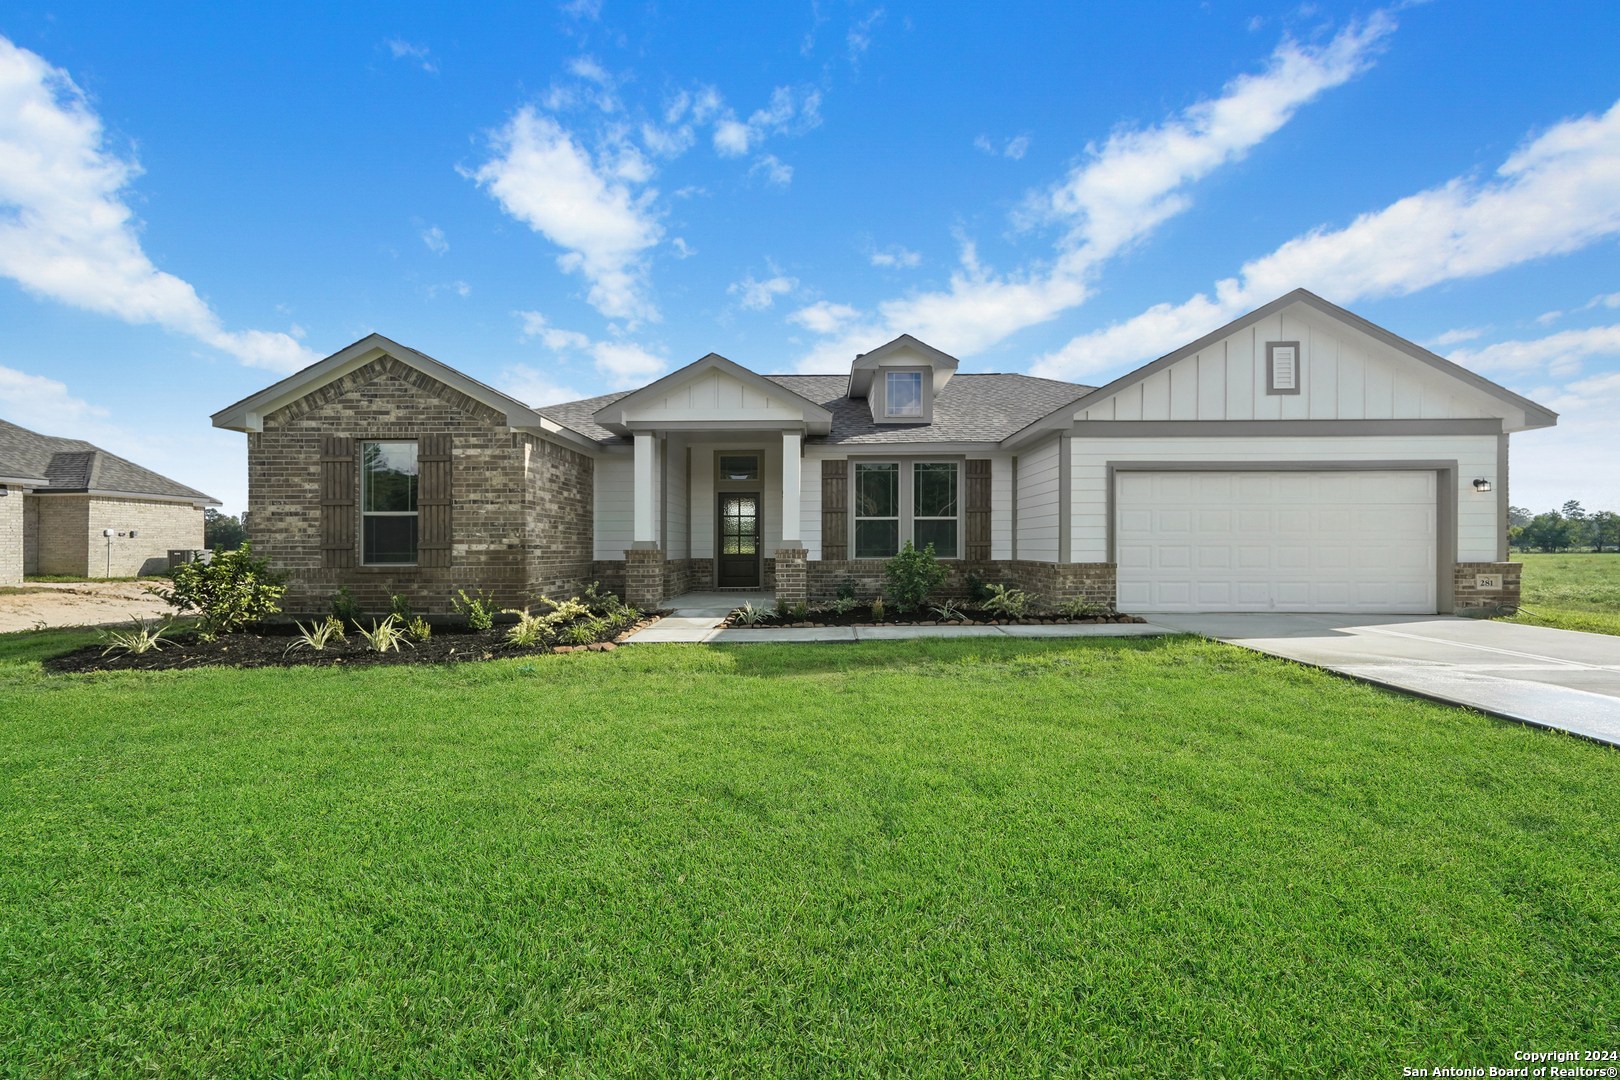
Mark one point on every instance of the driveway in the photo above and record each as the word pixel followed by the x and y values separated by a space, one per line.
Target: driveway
pixel 1551 678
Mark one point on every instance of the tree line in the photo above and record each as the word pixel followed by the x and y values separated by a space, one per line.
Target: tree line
pixel 1569 529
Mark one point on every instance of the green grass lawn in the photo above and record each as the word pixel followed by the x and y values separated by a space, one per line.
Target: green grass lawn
pixel 1142 858
pixel 1571 592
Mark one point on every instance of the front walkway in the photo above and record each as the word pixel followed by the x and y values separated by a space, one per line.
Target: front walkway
pixel 1534 674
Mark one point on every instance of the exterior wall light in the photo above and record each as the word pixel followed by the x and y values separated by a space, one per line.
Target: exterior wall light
pixel 1482 485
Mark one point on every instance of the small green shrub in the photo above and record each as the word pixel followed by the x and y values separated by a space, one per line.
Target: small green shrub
pixel 318 635
pixel 529 630
pixel 801 611
pixel 844 604
pixel 912 575
pixel 567 612
pixel 1081 609
pixel 1008 602
pixel 144 637
pixel 419 630
pixel 978 591
pixel 383 635
pixel 749 615
pixel 227 592
pixel 846 589
pixel 878 611
pixel 479 608
pixel 781 607
pixel 400 608
pixel 583 632
pixel 345 607
pixel 601 603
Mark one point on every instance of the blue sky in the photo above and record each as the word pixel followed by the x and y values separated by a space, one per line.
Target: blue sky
pixel 563 200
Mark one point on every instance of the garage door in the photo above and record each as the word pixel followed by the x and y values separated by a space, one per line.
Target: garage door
pixel 1276 541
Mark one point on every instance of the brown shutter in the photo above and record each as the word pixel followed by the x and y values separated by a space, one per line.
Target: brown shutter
pixel 339 475
pixel 433 500
pixel 834 510
pixel 978 511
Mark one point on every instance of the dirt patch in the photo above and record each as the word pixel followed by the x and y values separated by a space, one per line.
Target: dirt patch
pixel 279 647
pixel 78 603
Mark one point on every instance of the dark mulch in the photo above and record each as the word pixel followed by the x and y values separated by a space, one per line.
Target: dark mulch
pixel 862 616
pixel 270 649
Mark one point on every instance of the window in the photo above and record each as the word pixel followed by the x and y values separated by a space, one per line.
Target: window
pixel 739 466
pixel 903 394
pixel 914 501
pixel 934 507
pixel 877 510
pixel 388 502
pixel 1282 367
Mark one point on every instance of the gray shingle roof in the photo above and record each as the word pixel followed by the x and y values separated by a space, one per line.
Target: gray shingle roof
pixel 75 465
pixel 971 408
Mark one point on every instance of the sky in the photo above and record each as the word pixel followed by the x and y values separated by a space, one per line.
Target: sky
pixel 562 200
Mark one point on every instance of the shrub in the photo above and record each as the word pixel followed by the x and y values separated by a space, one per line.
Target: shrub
pixel 781 607
pixel 583 632
pixel 801 611
pixel 749 615
pixel 1081 609
pixel 846 589
pixel 419 630
pixel 529 631
pixel 844 604
pixel 145 637
pixel 227 592
pixel 601 603
pixel 567 612
pixel 948 611
pixel 345 607
pixel 912 575
pixel 318 635
pixel 1007 601
pixel 384 635
pixel 978 591
pixel 479 608
pixel 400 608
pixel 877 610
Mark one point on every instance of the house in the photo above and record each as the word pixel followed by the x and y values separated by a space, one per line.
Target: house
pixel 1298 459
pixel 68 507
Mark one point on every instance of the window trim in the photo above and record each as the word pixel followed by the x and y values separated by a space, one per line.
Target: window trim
pixel 1271 367
pixel 908 531
pixel 360 463
pixel 722 484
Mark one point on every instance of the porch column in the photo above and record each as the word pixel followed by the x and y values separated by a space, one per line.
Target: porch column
pixel 792 511
pixel 646 521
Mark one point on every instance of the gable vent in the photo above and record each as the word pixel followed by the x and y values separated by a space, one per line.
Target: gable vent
pixel 1282 367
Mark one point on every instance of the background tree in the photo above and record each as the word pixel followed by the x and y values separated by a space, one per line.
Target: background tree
pixel 1549 532
pixel 1519 517
pixel 1605 529
pixel 222 530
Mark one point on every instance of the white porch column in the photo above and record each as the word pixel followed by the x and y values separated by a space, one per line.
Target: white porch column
pixel 646 520
pixel 792 511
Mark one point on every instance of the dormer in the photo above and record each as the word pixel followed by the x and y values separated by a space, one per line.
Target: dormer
pixel 899 380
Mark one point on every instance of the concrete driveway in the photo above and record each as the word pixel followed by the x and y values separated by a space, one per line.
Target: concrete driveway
pixel 1551 678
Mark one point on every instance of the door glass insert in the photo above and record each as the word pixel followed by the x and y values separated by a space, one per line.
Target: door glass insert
pixel 739 525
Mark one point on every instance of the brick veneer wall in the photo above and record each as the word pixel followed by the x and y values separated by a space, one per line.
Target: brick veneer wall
pixel 1469 598
pixel 12 533
pixel 64 525
pixel 790 581
pixel 30 534
pixel 521 506
pixel 643 578
pixel 158 527
pixel 1054 582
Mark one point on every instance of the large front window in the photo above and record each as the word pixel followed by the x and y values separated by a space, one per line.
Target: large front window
pixel 896 502
pixel 388 502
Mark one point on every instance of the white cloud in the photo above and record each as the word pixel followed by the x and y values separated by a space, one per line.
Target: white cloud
pixel 460 288
pixel 543 177
pixel 1547 465
pixel 759 295
pixel 534 387
pixel 896 257
pixel 536 326
pixel 790 112
pixel 775 172
pixel 1014 148
pixel 1557 193
pixel 1116 196
pixel 43 404
pixel 435 241
pixel 582 9
pixel 1559 355
pixel 682 251
pixel 1451 337
pixel 67 234
pixel 626 364
pixel 402 50
pixel 823 317
pixel 859 37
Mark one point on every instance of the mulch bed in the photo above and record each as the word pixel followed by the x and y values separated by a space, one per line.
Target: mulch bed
pixel 862 616
pixel 269 648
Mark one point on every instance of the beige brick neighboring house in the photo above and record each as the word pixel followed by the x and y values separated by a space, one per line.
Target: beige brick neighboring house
pixel 74 509
pixel 1299 458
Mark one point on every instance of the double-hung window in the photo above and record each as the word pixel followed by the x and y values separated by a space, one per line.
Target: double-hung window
pixel 899 501
pixel 389 524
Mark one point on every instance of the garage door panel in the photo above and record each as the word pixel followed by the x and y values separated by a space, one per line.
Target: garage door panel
pixel 1332 541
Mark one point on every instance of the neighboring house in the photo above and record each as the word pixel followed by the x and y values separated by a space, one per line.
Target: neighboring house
pixel 1297 459
pixel 67 507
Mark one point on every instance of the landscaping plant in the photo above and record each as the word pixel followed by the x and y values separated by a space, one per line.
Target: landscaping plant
pixel 318 635
pixel 345 607
pixel 749 615
pixel 601 603
pixel 912 575
pixel 1081 609
pixel 419 630
pixel 400 608
pixel 227 592
pixel 801 611
pixel 877 610
pixel 844 604
pixel 384 635
pixel 948 611
pixel 846 590
pixel 977 591
pixel 143 638
pixel 529 630
pixel 1007 601
pixel 479 608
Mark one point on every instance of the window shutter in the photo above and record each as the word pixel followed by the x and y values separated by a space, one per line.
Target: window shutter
pixel 834 510
pixel 339 477
pixel 978 510
pixel 433 491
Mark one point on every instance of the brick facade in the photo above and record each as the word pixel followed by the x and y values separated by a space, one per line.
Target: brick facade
pixel 791 584
pixel 644 577
pixel 1471 598
pixel 1052 582
pixel 521 506
pixel 65 534
pixel 12 534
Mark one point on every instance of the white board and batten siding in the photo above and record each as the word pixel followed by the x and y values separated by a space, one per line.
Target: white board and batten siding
pixel 1038 503
pixel 716 396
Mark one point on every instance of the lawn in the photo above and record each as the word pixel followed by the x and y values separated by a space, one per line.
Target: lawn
pixel 1572 592
pixel 1143 858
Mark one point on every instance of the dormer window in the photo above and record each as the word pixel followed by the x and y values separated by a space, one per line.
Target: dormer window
pixel 903 393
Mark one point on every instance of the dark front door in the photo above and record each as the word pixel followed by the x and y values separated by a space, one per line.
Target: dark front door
pixel 739 541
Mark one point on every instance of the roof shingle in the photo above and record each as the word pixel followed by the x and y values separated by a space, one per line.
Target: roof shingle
pixel 75 465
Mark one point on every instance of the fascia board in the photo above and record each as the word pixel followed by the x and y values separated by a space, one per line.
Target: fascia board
pixel 613 415
pixel 25 481
pixel 198 499
pixel 899 449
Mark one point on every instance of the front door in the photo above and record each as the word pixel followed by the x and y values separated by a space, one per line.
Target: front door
pixel 740 541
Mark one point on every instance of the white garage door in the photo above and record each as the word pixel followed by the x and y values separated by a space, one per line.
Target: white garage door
pixel 1276 541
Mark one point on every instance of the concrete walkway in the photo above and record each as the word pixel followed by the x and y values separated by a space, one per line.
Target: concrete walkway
pixel 1534 674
